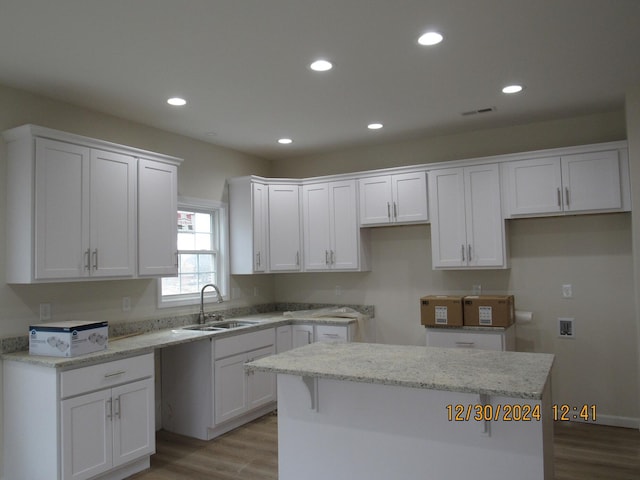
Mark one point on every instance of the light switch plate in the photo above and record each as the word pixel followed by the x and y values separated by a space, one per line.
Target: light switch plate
pixel 45 311
pixel 567 291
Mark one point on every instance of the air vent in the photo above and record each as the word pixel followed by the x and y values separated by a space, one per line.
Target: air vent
pixel 479 110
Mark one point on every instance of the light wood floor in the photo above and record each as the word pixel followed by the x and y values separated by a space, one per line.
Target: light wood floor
pixel 582 452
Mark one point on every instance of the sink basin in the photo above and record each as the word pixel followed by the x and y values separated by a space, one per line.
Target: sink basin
pixel 223 325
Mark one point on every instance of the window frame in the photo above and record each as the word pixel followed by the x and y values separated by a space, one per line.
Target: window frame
pixel 206 206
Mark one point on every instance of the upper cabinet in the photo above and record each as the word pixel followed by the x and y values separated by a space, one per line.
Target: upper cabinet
pixel 467 229
pixel 588 182
pixel 284 228
pixel 157 210
pixel 72 207
pixel 332 239
pixel 393 199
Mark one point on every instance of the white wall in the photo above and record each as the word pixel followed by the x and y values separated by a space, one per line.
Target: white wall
pixel 593 253
pixel 203 175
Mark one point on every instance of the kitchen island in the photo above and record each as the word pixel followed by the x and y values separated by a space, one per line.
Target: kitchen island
pixel 371 411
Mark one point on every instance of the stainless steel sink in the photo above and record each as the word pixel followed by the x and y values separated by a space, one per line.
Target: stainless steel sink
pixel 223 325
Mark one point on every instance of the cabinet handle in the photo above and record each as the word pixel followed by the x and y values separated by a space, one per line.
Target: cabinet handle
pixel 258 259
pixel 395 211
pixel 469 252
pixel 462 249
pixel 115 374
pixel 109 409
pixel 95 259
pixel 308 338
pixel 566 196
pixel 333 257
pixel 388 210
pixel 87 263
pixel 465 344
pixel 177 259
pixel 298 258
pixel 331 335
pixel 559 198
pixel 326 257
pixel 116 412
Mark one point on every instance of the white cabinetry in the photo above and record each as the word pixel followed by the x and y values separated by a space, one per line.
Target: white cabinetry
pixel 394 199
pixel 488 339
pixel 467 229
pixel 306 334
pixel 81 423
pixel 157 207
pixel 332 239
pixel 248 225
pixel 572 183
pixel 283 338
pixel 218 395
pixel 284 228
pixel 73 209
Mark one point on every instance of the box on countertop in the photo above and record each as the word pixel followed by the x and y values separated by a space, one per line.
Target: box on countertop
pixel 436 310
pixel 68 339
pixel 489 310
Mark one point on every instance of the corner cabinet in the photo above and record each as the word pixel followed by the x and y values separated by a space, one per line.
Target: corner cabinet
pixel 332 239
pixel 90 422
pixel 582 182
pixel 73 208
pixel 467 229
pixel 393 199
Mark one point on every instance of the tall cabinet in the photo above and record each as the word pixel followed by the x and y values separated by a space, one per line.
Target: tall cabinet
pixel 284 228
pixel 81 208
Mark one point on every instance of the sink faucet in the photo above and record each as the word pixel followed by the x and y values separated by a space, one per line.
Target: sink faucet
pixel 201 317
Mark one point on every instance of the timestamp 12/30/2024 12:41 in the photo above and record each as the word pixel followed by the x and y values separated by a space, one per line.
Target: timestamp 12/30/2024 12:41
pixel 514 412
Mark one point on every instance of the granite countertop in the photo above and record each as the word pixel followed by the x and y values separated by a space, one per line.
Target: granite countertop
pixel 509 374
pixel 140 343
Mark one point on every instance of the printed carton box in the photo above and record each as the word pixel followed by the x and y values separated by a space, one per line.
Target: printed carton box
pixel 68 339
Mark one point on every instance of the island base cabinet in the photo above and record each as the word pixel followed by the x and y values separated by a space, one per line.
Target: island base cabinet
pixel 350 430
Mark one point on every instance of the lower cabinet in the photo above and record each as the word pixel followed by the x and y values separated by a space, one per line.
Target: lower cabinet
pixel 218 395
pixel 305 334
pixel 86 423
pixel 488 339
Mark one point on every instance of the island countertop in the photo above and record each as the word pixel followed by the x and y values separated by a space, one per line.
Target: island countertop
pixel 509 374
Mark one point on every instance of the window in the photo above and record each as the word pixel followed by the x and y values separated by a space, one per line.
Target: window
pixel 202 243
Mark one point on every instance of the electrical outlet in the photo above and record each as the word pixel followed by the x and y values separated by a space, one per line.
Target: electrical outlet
pixel 126 304
pixel 338 290
pixel 235 293
pixel 566 328
pixel 567 291
pixel 256 291
pixel 45 311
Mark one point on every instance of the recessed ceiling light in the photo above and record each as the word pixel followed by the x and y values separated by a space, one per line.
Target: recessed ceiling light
pixel 285 141
pixel 321 66
pixel 374 126
pixel 177 101
pixel 512 89
pixel 430 38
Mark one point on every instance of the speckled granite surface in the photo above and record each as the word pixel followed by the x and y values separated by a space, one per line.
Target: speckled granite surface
pixel 140 342
pixel 18 343
pixel 509 374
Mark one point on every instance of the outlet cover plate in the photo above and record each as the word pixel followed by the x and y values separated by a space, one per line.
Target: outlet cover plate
pixel 566 327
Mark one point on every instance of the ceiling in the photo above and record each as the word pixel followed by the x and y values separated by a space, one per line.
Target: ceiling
pixel 242 65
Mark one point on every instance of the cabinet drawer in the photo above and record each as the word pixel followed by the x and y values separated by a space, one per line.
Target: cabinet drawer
pixel 104 375
pixel 331 333
pixel 481 340
pixel 244 342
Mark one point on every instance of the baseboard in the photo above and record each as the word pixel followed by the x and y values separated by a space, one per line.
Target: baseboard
pixel 613 421
pixel 238 422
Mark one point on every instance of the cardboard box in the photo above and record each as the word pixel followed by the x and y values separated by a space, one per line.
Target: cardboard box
pixel 68 339
pixel 489 310
pixel 437 310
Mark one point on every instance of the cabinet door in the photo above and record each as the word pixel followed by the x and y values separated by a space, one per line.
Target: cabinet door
pixel 259 201
pixel 284 228
pixel 230 388
pixel 484 223
pixel 410 197
pixel 301 335
pixel 261 386
pixel 61 210
pixel 133 421
pixel 157 218
pixel 591 181
pixel 533 186
pixel 283 338
pixel 315 208
pixel 375 200
pixel 343 222
pixel 86 430
pixel 447 210
pixel 113 209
